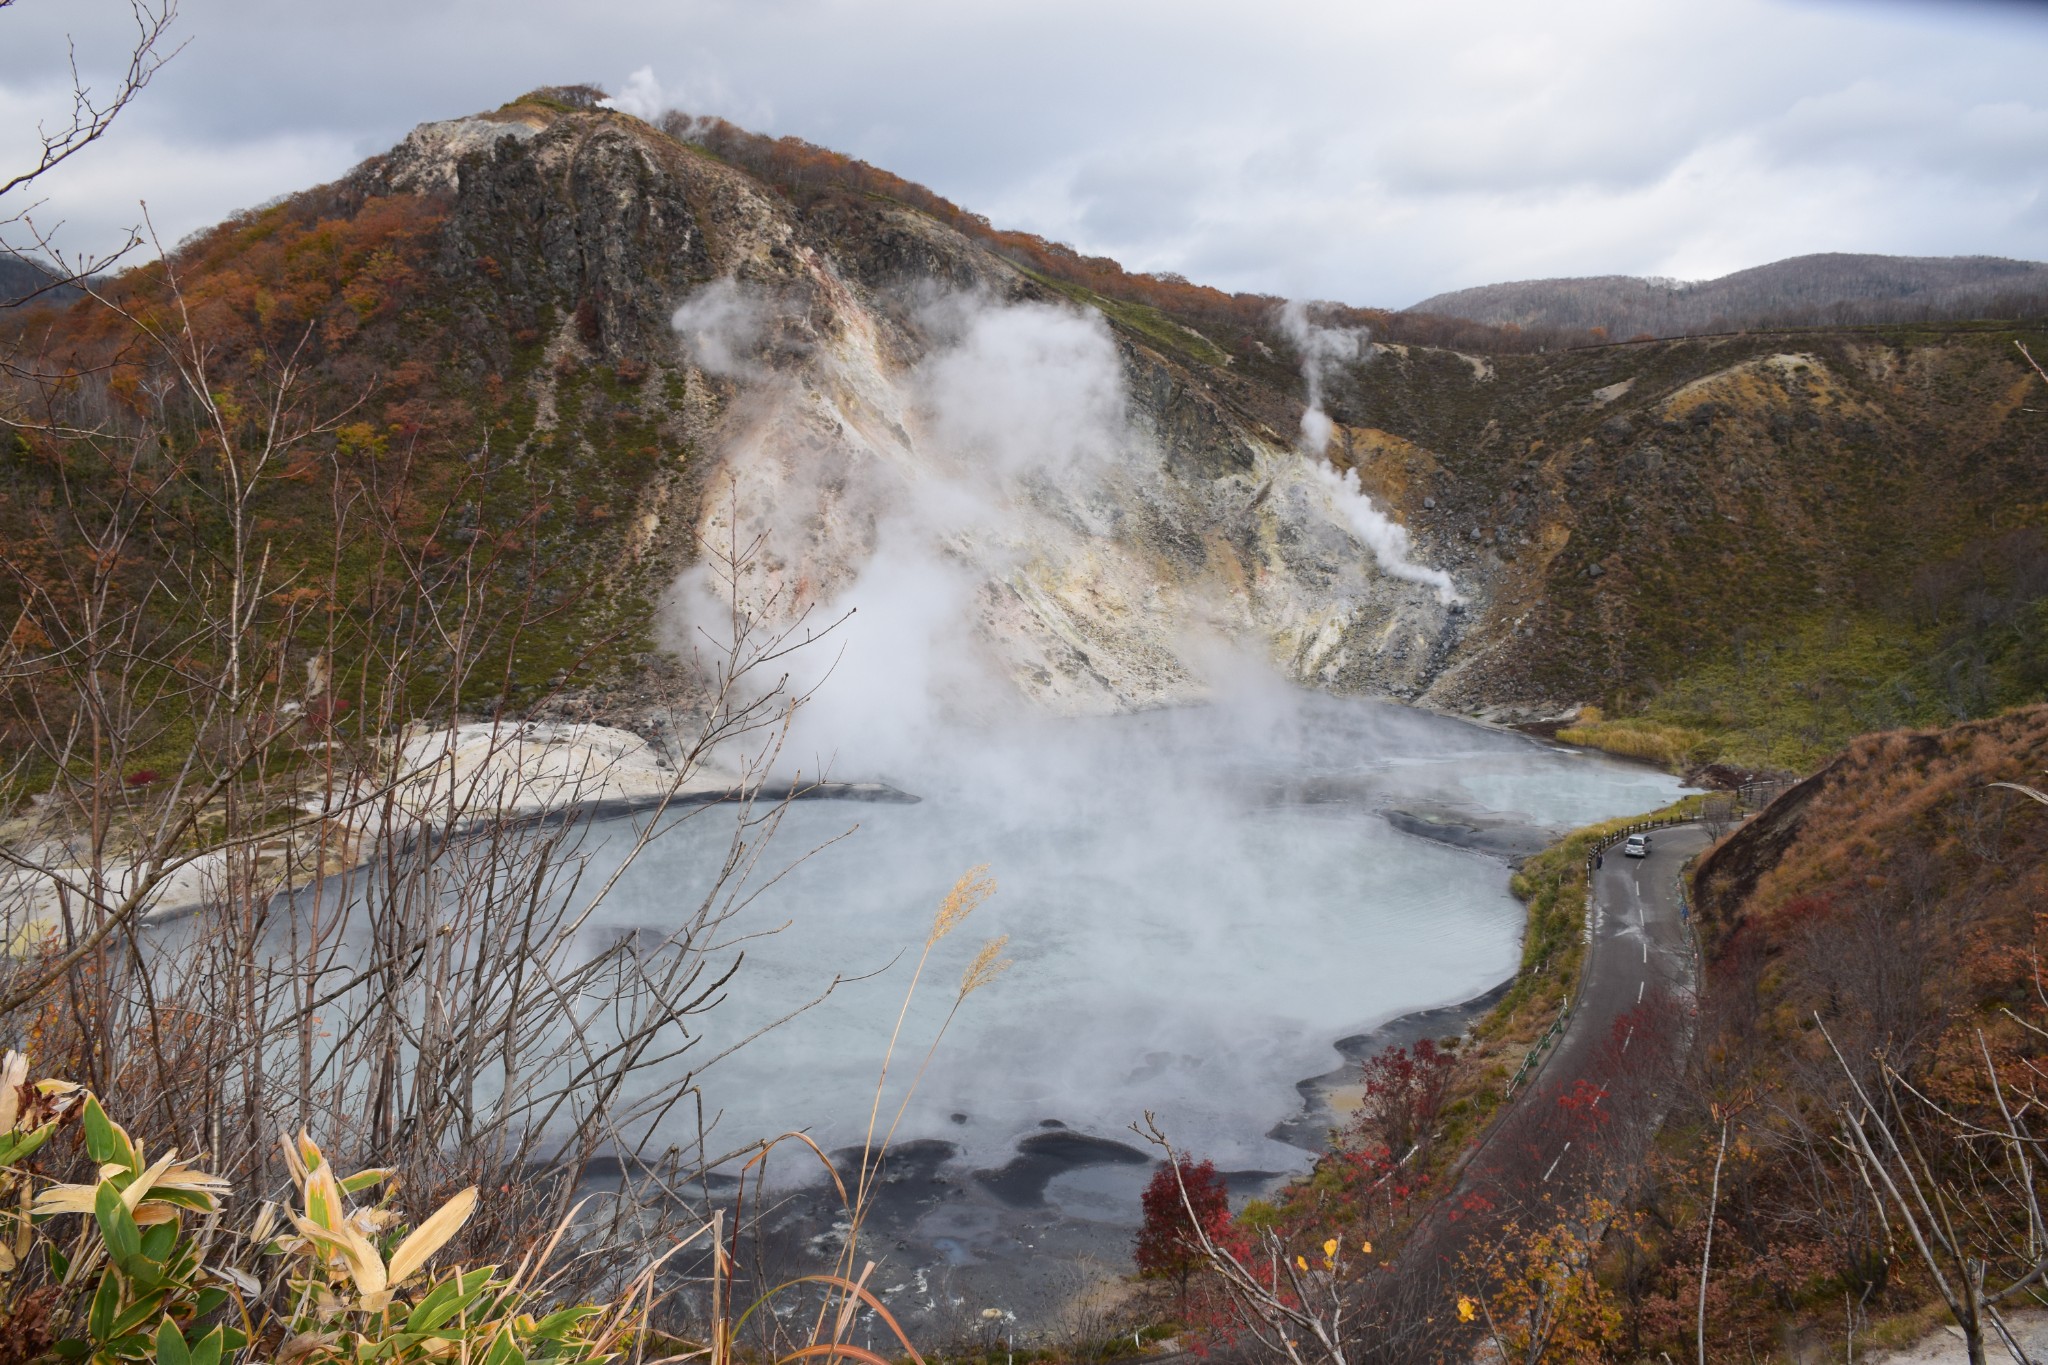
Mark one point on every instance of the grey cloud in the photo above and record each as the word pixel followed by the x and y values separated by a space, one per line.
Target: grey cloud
pixel 1374 152
pixel 1870 122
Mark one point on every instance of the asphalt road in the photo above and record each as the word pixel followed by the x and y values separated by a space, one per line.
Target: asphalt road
pixel 1641 943
pixel 1640 947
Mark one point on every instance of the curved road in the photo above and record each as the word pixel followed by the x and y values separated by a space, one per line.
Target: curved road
pixel 1641 947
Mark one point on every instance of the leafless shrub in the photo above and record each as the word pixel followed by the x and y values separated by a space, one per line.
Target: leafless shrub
pixel 392 940
pixel 1718 813
pixel 41 268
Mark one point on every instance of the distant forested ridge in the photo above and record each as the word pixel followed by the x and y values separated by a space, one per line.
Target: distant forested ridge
pixel 1823 290
pixel 23 279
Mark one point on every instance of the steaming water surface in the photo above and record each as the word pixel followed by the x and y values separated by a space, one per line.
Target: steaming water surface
pixel 1199 903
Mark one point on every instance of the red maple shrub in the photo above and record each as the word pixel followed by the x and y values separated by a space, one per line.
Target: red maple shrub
pixel 1405 1090
pixel 324 713
pixel 1167 1245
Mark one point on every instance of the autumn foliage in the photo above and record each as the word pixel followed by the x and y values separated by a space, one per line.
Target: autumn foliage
pixel 1167 1247
pixel 1403 1093
pixel 428 474
pixel 1890 910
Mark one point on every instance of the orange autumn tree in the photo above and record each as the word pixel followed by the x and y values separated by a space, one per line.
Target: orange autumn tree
pixel 1534 1288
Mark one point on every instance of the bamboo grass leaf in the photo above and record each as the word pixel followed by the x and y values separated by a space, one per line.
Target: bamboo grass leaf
pixel 430 1236
pixel 117 1225
pixel 170 1345
pixel 362 1180
pixel 18 1147
pixel 139 1314
pixel 104 1142
pixel 106 1301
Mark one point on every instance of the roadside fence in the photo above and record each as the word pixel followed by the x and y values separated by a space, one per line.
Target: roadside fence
pixel 1537 1053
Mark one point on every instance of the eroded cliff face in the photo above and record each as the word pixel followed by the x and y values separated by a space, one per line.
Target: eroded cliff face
pixel 892 398
pixel 1642 511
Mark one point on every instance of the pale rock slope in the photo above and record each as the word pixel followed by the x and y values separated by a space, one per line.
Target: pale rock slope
pixel 899 402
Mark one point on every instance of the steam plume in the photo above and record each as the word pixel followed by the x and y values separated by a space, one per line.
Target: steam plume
pixel 722 326
pixel 964 472
pixel 1322 347
pixel 918 498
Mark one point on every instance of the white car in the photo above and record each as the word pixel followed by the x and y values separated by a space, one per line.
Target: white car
pixel 1638 846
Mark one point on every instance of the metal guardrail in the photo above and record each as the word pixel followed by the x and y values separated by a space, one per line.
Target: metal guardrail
pixel 1621 835
pixel 1600 849
pixel 1754 796
pixel 1536 1053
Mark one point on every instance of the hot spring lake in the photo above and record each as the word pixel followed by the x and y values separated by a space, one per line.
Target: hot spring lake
pixel 1199 902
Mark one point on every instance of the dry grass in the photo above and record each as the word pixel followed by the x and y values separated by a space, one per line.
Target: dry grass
pixel 1669 746
pixel 1902 1330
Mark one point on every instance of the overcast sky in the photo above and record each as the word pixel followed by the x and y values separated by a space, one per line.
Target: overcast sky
pixel 1371 152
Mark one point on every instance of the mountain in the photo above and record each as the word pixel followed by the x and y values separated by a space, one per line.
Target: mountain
pixel 1746 531
pixel 689 335
pixel 850 354
pixel 26 281
pixel 1827 289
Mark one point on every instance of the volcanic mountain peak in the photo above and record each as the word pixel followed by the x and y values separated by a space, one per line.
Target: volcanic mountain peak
pixel 430 157
pixel 864 385
pixel 1596 508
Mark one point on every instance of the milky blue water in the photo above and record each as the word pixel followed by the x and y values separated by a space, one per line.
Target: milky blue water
pixel 1199 903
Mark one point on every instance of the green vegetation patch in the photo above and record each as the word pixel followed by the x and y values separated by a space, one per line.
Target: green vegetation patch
pixel 1795 701
pixel 1667 745
pixel 1141 318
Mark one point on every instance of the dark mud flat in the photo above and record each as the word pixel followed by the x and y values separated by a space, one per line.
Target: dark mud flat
pixel 770 795
pixel 1310 1129
pixel 1021 1183
pixel 949 1243
pixel 1466 829
pixel 676 803
pixel 1036 1236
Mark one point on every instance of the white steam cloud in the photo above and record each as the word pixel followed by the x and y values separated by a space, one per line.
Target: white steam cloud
pixel 1024 390
pixel 1322 347
pixel 980 489
pixel 904 497
pixel 721 326
pixel 641 96
pixel 705 94
pixel 975 509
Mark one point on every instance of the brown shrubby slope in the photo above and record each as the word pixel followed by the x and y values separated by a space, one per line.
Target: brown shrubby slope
pixel 1880 927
